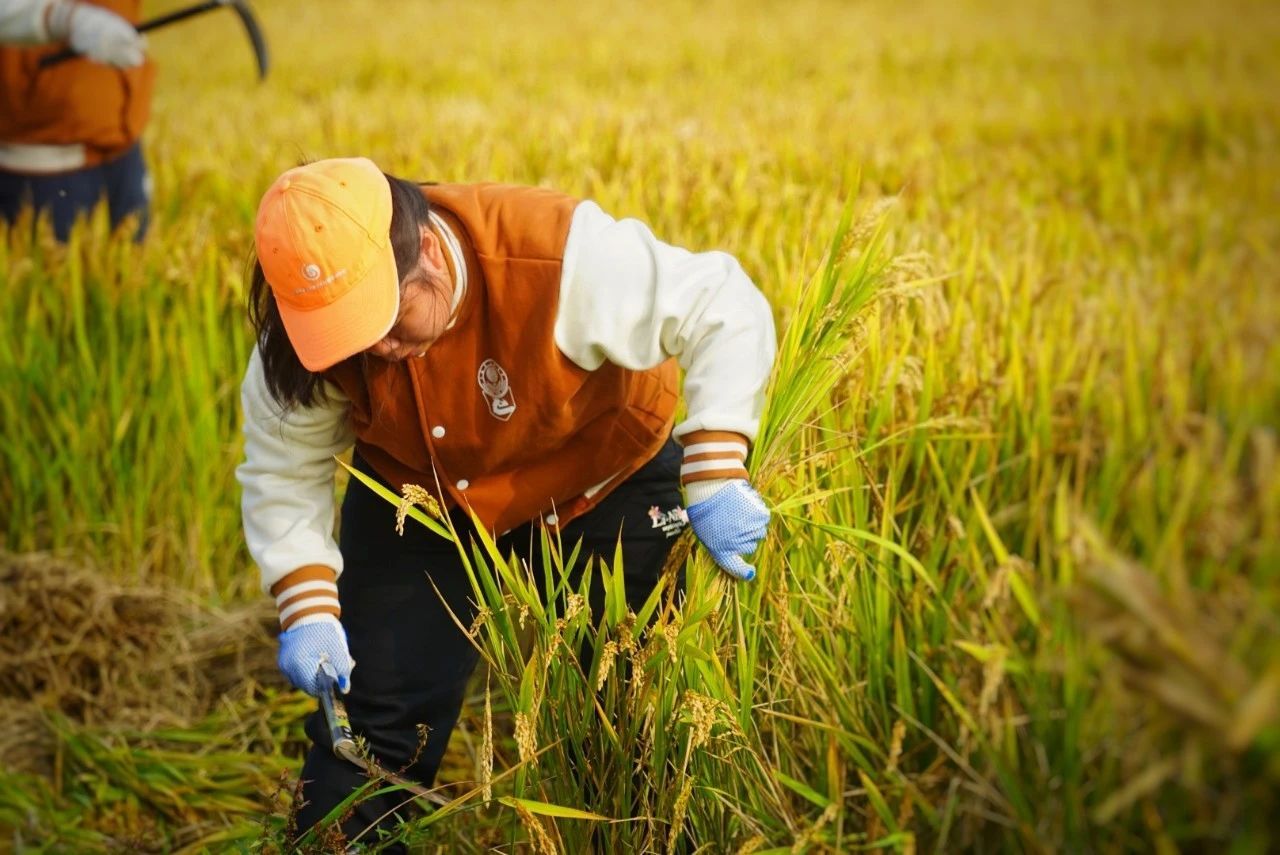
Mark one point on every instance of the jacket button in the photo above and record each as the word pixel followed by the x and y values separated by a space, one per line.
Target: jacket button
pixel 437 431
pixel 463 484
pixel 551 519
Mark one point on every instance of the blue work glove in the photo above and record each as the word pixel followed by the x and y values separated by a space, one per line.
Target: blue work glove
pixel 303 649
pixel 730 524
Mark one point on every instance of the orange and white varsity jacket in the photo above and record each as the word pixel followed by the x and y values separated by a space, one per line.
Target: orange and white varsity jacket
pixel 555 380
pixel 68 116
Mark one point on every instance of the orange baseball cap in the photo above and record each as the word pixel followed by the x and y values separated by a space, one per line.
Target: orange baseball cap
pixel 323 239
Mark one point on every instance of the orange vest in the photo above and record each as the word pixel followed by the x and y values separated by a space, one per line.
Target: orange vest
pixel 506 422
pixel 76 102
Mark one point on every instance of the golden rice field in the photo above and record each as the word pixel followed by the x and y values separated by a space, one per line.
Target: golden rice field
pixel 1022 591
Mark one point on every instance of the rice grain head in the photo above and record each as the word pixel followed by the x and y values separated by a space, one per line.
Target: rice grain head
pixel 412 494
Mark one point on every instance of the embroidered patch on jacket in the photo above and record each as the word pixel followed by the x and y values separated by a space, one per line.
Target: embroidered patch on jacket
pixel 496 389
pixel 671 522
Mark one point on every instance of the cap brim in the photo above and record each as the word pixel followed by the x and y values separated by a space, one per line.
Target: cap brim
pixel 352 323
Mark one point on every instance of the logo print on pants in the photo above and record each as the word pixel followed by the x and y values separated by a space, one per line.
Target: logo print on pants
pixel 671 522
pixel 496 389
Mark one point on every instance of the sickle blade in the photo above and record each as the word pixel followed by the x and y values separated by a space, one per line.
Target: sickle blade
pixel 255 36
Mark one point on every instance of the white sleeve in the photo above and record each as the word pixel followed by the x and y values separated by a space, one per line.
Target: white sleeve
pixel 287 477
pixel 628 298
pixel 23 21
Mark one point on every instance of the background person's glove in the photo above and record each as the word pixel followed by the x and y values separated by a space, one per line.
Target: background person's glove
pixel 99 34
pixel 303 648
pixel 730 524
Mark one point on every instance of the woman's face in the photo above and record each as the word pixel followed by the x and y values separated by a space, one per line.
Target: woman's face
pixel 425 298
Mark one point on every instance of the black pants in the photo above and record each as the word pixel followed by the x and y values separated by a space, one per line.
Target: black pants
pixel 412 661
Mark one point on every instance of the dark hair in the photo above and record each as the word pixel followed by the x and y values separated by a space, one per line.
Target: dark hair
pixel 288 381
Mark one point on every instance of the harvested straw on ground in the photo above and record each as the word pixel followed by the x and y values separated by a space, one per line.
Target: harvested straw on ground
pixel 106 654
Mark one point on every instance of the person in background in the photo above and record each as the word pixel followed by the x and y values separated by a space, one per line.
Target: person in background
pixel 516 352
pixel 69 133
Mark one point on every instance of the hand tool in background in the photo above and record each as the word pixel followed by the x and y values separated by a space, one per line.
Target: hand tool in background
pixel 240 7
pixel 344 742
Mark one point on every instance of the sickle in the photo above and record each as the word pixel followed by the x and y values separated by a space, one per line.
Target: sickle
pixel 240 7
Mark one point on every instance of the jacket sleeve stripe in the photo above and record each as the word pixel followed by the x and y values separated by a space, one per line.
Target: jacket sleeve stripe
pixel 719 473
pixel 738 448
pixel 311 614
pixel 308 573
pixel 727 463
pixel 304 587
pixel 307 591
pixel 713 455
pixel 308 604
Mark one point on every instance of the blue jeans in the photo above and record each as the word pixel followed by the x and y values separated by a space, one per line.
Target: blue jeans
pixel 122 182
